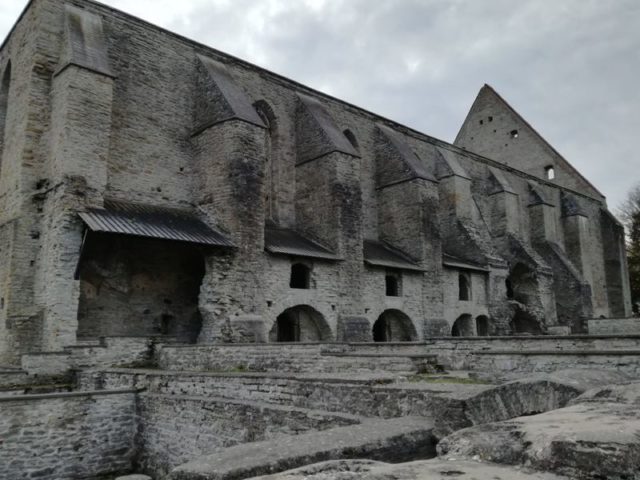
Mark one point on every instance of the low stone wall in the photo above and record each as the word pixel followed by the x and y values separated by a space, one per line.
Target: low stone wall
pixel 293 357
pixel 615 326
pixel 177 428
pixel 67 435
pixel 513 364
pixel 110 352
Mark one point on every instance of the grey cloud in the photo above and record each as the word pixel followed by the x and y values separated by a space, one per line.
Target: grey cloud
pixel 570 67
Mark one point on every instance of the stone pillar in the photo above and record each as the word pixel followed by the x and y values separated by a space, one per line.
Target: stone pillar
pixel 81 93
pixel 229 147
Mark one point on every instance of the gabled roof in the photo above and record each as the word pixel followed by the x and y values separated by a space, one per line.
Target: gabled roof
pixel 489 88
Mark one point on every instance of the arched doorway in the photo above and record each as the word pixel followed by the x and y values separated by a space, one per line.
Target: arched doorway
pixel 482 326
pixel 300 324
pixel 463 326
pixel 394 326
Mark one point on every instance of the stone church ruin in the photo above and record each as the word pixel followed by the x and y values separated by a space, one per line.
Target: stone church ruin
pixel 201 260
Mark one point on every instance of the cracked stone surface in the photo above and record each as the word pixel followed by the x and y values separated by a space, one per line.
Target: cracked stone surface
pixel 421 470
pixel 596 437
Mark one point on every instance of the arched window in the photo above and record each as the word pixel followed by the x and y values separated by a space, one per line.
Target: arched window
pixel 300 276
pixel 352 139
pixel 267 115
pixel 550 172
pixel 464 287
pixel 4 104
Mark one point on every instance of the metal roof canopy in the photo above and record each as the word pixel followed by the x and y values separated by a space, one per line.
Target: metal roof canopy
pixel 380 254
pixel 152 222
pixel 455 262
pixel 289 242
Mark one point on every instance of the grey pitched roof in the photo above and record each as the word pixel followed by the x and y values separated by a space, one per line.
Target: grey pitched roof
pixel 380 254
pixel 286 241
pixel 152 222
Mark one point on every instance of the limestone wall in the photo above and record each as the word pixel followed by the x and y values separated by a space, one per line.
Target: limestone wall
pixel 67 435
pixel 168 422
pixel 615 326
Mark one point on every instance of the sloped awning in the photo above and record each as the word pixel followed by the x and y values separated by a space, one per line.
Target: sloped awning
pixel 285 241
pixel 152 222
pixel 380 254
pixel 461 264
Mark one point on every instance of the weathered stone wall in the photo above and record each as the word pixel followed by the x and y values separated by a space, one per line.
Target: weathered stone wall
pixel 157 119
pixel 139 287
pixel 74 435
pixel 168 422
pixel 614 326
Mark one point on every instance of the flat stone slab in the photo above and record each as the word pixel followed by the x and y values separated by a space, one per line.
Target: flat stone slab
pixel 597 436
pixel 396 440
pixel 134 477
pixel 423 470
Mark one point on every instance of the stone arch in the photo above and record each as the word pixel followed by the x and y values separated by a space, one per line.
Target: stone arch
pixel 301 323
pixel 483 327
pixel 5 86
pixel 268 116
pixel 394 326
pixel 463 326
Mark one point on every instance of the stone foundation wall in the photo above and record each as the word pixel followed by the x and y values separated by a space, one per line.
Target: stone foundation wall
pixel 168 423
pixel 74 435
pixel 614 326
pixel 281 357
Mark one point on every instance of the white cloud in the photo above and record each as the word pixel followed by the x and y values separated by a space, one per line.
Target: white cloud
pixel 569 67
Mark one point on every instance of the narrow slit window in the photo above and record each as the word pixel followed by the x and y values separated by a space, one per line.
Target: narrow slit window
pixel 464 287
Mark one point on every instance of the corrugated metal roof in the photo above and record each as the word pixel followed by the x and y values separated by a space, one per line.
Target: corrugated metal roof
pixel 455 262
pixel 380 254
pixel 289 242
pixel 152 222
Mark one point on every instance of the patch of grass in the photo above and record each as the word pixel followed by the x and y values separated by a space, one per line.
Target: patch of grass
pixel 445 380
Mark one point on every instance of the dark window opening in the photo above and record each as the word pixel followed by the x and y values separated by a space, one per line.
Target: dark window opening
pixel 509 286
pixel 288 328
pixel 482 326
pixel 166 322
pixel 491 119
pixel 550 172
pixel 380 331
pixel 481 122
pixel 300 276
pixel 464 287
pixel 392 286
pixel 514 133
pixel 352 139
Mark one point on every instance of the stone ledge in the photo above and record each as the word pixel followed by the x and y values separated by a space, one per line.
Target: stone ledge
pixel 46 396
pixel 616 353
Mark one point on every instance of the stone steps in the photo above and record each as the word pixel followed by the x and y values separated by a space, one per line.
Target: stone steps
pixel 394 440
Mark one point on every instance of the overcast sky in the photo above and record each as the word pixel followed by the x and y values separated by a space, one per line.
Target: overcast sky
pixel 570 67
